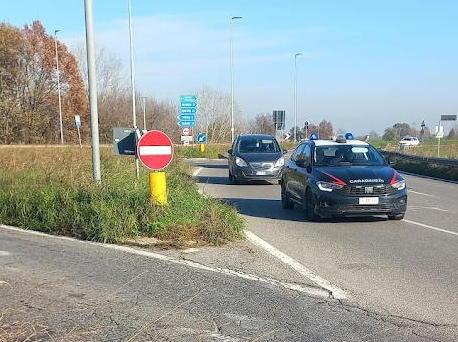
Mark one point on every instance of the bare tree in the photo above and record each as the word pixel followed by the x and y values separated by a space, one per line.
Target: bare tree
pixel 262 123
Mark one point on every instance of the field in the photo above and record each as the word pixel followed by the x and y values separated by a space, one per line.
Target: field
pixel 50 189
pixel 428 148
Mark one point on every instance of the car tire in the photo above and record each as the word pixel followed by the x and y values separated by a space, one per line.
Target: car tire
pixel 309 206
pixel 286 202
pixel 397 217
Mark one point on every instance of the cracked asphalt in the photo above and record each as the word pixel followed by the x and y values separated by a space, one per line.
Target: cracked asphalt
pixel 66 290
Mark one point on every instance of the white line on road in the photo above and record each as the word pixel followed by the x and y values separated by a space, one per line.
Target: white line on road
pixel 430 227
pixel 196 172
pixel 4 253
pixel 420 193
pixel 430 208
pixel 337 292
pixel 310 290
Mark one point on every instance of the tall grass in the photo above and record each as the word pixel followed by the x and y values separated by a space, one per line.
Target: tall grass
pixel 51 190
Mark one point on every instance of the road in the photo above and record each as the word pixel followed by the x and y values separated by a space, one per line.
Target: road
pixel 59 289
pixel 403 268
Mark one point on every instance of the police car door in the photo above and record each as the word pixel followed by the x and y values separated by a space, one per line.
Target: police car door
pixel 304 169
pixel 292 178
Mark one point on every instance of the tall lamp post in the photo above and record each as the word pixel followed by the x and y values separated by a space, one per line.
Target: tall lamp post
pixel 295 94
pixel 144 112
pixel 92 77
pixel 132 78
pixel 231 39
pixel 58 89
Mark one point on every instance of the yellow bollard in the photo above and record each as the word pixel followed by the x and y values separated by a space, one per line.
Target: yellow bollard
pixel 158 188
pixel 202 148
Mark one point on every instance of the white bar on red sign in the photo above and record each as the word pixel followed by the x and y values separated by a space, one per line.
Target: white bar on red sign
pixel 155 150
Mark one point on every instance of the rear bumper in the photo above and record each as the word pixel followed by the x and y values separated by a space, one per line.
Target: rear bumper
pixel 334 204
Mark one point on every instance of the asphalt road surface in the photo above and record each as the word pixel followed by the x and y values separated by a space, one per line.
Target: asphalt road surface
pixel 54 289
pixel 403 268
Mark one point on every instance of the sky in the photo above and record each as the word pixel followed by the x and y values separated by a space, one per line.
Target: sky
pixel 366 64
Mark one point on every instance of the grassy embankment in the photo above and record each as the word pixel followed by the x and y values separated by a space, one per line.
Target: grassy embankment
pixel 51 190
pixel 428 148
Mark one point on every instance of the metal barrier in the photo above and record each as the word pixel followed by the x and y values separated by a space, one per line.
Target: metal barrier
pixel 429 160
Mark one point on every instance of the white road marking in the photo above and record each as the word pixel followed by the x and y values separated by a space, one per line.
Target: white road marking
pixel 4 253
pixel 196 172
pixel 420 193
pixel 430 227
pixel 310 290
pixel 155 150
pixel 337 292
pixel 430 208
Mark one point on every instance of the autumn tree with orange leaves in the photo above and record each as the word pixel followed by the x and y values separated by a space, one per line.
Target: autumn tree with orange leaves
pixel 28 87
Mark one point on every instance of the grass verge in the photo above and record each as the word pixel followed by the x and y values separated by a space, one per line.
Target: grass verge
pixel 51 190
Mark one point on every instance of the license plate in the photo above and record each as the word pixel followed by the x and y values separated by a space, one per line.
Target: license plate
pixel 368 200
pixel 261 173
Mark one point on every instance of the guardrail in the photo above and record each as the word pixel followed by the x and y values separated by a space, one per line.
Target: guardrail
pixel 414 158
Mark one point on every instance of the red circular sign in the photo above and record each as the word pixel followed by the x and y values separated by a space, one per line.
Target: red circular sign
pixel 155 150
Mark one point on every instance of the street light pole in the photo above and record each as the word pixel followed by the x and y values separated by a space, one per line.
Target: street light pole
pixel 92 91
pixel 144 112
pixel 231 42
pixel 295 94
pixel 132 79
pixel 58 90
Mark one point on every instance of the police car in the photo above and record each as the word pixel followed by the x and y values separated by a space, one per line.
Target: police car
pixel 342 177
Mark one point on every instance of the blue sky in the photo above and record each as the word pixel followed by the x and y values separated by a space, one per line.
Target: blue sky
pixel 366 64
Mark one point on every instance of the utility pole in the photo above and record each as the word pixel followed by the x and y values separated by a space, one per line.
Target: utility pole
pixel 58 90
pixel 231 43
pixel 295 94
pixel 132 79
pixel 92 91
pixel 144 112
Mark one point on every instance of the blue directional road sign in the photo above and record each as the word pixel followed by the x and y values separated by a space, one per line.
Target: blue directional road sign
pixel 186 117
pixel 202 138
pixel 186 123
pixel 188 111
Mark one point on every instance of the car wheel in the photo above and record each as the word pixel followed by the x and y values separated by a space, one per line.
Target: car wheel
pixel 286 202
pixel 396 217
pixel 309 206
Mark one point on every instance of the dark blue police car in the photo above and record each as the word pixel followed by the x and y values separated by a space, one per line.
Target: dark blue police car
pixel 343 177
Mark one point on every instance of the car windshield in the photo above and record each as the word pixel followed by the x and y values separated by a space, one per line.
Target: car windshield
pixel 348 155
pixel 258 145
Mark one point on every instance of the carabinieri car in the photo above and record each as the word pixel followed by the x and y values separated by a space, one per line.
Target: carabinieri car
pixel 342 177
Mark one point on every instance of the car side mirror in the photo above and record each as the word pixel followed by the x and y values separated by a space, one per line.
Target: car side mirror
pixel 230 151
pixel 303 163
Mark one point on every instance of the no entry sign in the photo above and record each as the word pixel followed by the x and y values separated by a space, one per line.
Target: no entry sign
pixel 155 150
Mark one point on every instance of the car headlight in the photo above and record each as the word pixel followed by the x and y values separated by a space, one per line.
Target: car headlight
pixel 240 162
pixel 280 162
pixel 400 185
pixel 326 186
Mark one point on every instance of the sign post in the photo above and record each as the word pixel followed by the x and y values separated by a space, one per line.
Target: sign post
pixel 439 135
pixel 78 126
pixel 202 140
pixel 155 151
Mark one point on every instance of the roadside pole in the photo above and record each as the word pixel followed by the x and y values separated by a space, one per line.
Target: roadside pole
pixel 78 126
pixel 132 80
pixel 92 91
